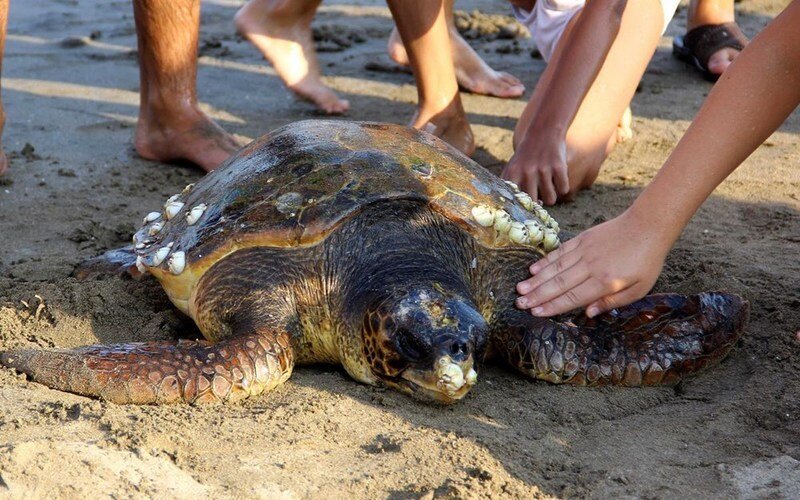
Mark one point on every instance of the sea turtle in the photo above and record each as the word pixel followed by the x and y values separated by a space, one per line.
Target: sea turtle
pixel 377 247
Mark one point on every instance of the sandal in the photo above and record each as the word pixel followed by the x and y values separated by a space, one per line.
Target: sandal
pixel 700 43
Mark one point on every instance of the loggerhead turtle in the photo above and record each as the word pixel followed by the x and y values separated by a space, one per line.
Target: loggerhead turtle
pixel 379 248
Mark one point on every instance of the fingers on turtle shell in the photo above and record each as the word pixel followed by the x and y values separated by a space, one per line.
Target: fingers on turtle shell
pixel 162 372
pixel 658 340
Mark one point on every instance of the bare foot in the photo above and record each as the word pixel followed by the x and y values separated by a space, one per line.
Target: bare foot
pixel 624 131
pixel 472 72
pixel 450 125
pixel 190 136
pixel 3 162
pixel 286 41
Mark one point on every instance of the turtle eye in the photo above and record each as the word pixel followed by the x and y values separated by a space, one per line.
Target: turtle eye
pixel 411 346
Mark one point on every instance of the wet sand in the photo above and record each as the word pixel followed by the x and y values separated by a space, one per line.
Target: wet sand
pixel 76 188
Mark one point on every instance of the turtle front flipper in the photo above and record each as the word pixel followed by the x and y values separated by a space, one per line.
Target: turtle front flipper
pixel 163 372
pixel 656 341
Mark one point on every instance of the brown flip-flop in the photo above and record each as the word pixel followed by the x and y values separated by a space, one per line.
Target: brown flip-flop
pixel 700 43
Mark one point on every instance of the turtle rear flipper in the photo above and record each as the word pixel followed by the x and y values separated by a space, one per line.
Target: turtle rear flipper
pixel 656 341
pixel 117 262
pixel 162 372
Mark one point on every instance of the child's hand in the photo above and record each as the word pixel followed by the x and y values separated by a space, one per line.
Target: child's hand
pixel 540 169
pixel 607 266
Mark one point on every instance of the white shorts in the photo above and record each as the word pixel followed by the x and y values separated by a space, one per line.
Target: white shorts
pixel 549 18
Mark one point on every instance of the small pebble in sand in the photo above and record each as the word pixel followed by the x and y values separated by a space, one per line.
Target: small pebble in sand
pixel 74 42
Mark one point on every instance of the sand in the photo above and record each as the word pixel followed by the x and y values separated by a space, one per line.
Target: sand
pixel 76 187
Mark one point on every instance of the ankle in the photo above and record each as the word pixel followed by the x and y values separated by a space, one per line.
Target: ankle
pixel 276 10
pixel 441 108
pixel 709 12
pixel 166 114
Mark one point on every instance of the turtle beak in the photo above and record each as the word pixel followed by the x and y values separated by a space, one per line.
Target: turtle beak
pixel 448 380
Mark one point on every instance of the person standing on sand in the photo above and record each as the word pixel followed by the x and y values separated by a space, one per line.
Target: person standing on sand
pixel 618 262
pixel 281 31
pixel 171 126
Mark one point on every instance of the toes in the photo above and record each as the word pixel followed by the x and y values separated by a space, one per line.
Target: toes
pixel 624 134
pixel 510 79
pixel 330 103
pixel 720 60
pixel 323 97
pixel 497 84
pixel 507 87
pixel 336 107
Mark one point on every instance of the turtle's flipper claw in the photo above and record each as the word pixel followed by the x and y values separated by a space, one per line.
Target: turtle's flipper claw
pixel 162 372
pixel 656 341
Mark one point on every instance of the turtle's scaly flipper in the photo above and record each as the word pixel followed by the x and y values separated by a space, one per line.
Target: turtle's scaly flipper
pixel 655 341
pixel 163 372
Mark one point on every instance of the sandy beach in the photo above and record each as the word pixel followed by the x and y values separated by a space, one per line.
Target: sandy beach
pixel 76 187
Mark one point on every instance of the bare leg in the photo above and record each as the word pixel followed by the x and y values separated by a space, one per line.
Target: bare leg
pixel 171 126
pixel 472 72
pixel 702 12
pixel 423 29
pixel 594 131
pixel 3 23
pixel 281 31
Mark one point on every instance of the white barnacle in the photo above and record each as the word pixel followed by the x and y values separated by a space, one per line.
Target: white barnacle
pixel 535 231
pixel 542 214
pixel 472 376
pixel 513 186
pixel 188 188
pixel 518 233
pixel 195 213
pixel 172 198
pixel 151 217
pixel 483 215
pixel 552 224
pixel 502 221
pixel 177 262
pixel 451 377
pixel 139 245
pixel 155 228
pixel 140 264
pixel 172 209
pixel 160 255
pixel 550 240
pixel 525 200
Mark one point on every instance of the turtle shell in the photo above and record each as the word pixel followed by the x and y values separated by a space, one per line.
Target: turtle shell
pixel 294 186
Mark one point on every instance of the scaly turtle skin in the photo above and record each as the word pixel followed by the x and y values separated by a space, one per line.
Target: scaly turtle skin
pixel 379 248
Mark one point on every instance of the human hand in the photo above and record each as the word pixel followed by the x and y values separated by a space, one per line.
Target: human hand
pixel 539 168
pixel 604 267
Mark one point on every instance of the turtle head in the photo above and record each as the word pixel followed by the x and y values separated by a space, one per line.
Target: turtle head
pixel 425 342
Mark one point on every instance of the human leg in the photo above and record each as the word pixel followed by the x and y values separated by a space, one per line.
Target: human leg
pixel 171 125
